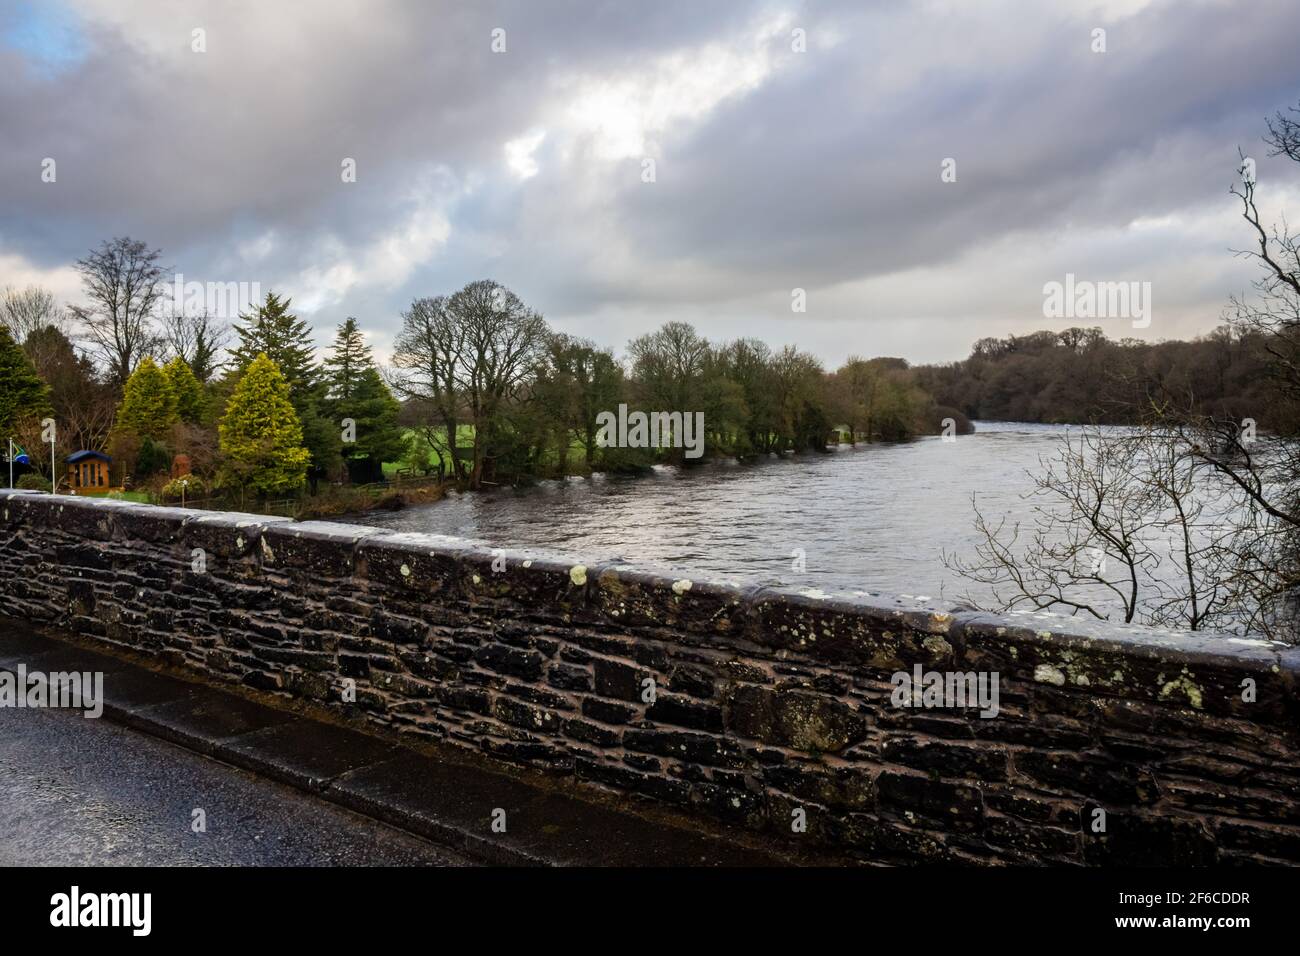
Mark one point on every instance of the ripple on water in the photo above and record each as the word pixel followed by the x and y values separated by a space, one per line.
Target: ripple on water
pixel 874 517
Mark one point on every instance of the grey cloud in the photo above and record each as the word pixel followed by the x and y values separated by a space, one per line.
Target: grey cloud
pixel 825 174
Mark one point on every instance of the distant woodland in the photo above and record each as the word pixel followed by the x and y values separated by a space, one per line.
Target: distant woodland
pixel 1080 376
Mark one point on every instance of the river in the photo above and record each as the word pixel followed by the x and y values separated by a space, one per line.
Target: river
pixel 872 518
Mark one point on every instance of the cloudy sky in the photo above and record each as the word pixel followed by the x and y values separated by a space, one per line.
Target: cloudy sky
pixel 774 169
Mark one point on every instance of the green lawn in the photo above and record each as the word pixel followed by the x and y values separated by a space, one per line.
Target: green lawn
pixel 464 437
pixel 141 496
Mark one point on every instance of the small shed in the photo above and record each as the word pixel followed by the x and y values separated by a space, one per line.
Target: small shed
pixel 88 470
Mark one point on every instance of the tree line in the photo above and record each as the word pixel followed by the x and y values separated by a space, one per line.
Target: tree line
pixel 261 417
pixel 481 390
pixel 1190 517
pixel 1079 376
pixel 498 396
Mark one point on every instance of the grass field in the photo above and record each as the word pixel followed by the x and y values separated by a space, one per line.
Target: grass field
pixel 465 438
pixel 140 496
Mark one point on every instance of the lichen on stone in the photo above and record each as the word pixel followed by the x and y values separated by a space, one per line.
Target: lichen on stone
pixel 1047 674
pixel 937 646
pixel 1183 683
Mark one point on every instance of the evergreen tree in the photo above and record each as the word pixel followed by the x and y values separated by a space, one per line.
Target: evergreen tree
pixel 185 386
pixel 374 410
pixel 261 436
pixel 272 330
pixel 22 393
pixel 148 408
pixel 285 339
pixel 350 357
pixel 152 458
pixel 357 391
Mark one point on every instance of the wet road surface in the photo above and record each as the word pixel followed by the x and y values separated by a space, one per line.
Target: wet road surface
pixel 79 792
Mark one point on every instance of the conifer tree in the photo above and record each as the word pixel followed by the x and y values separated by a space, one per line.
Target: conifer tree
pixel 185 386
pixel 272 329
pixel 148 408
pixel 22 393
pixel 261 436
pixel 349 358
pixel 374 410
pixel 357 393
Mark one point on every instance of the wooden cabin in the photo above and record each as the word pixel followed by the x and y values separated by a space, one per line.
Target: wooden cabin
pixel 88 471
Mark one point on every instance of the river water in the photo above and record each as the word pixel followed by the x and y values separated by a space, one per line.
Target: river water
pixel 872 518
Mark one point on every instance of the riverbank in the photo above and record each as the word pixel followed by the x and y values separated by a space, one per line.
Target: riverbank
pixel 875 517
pixel 336 501
pixel 352 501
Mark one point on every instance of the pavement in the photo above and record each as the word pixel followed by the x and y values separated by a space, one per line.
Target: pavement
pixel 77 792
pixel 281 788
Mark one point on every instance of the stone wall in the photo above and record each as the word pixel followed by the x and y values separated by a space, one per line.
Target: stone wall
pixel 745 705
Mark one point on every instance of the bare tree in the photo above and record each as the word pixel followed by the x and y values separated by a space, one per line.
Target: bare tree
pixel 668 368
pixel 23 311
pixel 1200 521
pixel 1081 548
pixel 1283 136
pixel 83 404
pixel 589 380
pixel 123 282
pixel 1260 464
pixel 469 356
pixel 503 342
pixel 669 365
pixel 430 349
pixel 1223 492
pixel 197 339
pixel 1122 525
